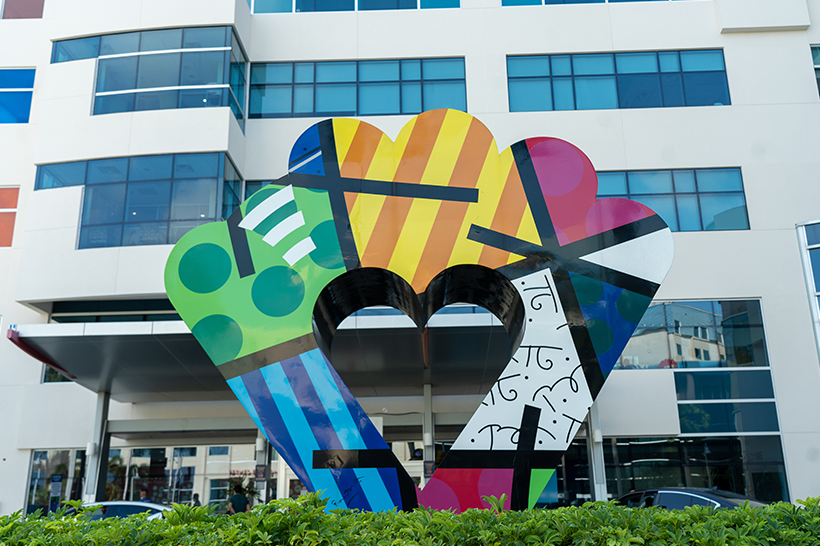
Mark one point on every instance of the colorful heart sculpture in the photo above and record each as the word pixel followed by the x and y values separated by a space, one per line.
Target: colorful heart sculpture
pixel 436 217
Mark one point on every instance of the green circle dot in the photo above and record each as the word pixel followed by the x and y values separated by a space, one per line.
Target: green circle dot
pixel 278 291
pixel 632 306
pixel 204 268
pixel 587 290
pixel 601 335
pixel 327 253
pixel 220 336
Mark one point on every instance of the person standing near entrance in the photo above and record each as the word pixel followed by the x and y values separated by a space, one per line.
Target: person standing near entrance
pixel 195 501
pixel 144 496
pixel 238 502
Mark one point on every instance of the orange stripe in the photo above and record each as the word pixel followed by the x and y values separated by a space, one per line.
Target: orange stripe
pixel 361 151
pixel 507 218
pixel 350 200
pixel 395 210
pixel 450 216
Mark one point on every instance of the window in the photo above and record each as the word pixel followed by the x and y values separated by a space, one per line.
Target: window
pixel 679 349
pixel 699 418
pixel 706 355
pixel 145 200
pixel 22 9
pixel 724 385
pixel 56 475
pixel 356 88
pixel 113 311
pixel 752 466
pixel 697 353
pixel 16 88
pixel 8 214
pixel 184 452
pixel 621 80
pixel 218 451
pixel 287 6
pixel 815 53
pixel 687 200
pixel 734 328
pixel 162 69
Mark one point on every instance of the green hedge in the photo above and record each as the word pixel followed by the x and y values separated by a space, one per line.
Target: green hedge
pixel 304 522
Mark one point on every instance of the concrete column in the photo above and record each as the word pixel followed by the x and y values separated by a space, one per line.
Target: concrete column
pixel 428 431
pixel 281 478
pixel 263 458
pixel 595 447
pixel 97 450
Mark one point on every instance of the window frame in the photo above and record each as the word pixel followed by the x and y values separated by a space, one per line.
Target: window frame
pixel 676 195
pixel 573 78
pixel 401 82
pixel 25 91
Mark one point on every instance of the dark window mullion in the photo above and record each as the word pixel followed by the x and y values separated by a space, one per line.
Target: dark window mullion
pixel 357 84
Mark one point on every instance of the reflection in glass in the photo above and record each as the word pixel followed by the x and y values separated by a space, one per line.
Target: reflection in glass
pixel 750 465
pixel 682 334
pixel 68 466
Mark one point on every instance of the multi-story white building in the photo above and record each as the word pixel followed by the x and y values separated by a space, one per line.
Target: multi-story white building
pixel 124 125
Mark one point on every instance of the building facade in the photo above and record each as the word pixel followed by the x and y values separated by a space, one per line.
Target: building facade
pixel 122 127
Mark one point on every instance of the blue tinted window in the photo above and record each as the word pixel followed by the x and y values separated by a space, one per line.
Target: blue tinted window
pixel 157 70
pixel 687 200
pixel 103 171
pixel 114 44
pixel 117 74
pixel 112 104
pixel 427 4
pixel 356 88
pixel 148 40
pixel 622 80
pixel 15 106
pixel 104 204
pixel 324 5
pixel 159 40
pixel 146 200
pixel 150 167
pixel 218 450
pixel 61 175
pixel 813 234
pixel 205 68
pixel 749 384
pixel 165 75
pixel 728 417
pixel 196 166
pixel 204 37
pixel 73 50
pixel 17 79
pixel 365 5
pixel 273 6
pixel 286 6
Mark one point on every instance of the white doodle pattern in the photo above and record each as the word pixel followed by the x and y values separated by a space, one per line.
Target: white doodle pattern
pixel 545 372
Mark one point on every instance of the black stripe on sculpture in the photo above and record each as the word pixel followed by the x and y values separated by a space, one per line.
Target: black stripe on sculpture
pixel 239 244
pixel 338 206
pixel 334 459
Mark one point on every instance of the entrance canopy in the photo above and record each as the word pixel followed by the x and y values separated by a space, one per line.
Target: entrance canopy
pixel 376 354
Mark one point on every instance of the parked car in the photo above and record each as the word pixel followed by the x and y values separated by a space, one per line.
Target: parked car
pixel 678 498
pixel 121 509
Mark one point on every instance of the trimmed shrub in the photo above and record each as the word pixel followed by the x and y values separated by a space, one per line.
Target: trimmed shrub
pixel 304 522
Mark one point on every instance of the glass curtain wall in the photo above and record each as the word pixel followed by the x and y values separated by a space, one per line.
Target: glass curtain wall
pixel 56 475
pixel 174 474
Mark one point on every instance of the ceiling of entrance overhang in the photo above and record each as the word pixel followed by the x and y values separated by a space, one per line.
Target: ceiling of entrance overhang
pixel 141 366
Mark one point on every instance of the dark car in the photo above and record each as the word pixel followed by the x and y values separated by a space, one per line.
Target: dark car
pixel 678 498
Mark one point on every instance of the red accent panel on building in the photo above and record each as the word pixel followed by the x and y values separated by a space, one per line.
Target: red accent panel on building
pixel 23 9
pixel 6 228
